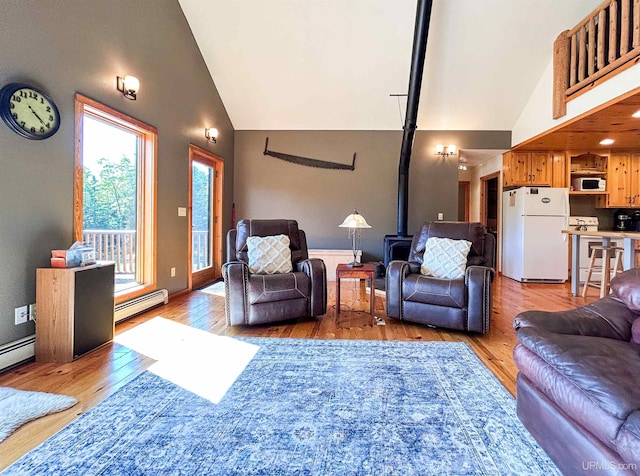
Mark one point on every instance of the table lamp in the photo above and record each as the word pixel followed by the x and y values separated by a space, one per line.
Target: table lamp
pixel 354 222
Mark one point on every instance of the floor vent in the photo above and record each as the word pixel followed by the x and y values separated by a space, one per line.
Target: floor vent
pixel 140 304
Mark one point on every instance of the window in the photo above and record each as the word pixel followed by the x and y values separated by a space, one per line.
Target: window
pixel 114 193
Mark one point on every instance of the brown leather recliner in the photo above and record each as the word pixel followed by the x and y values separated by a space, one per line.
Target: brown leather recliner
pixel 263 298
pixel 462 304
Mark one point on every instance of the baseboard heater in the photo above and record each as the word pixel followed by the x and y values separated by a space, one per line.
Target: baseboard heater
pixel 16 352
pixel 126 309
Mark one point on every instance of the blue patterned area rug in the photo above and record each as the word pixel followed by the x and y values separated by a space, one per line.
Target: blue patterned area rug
pixel 307 407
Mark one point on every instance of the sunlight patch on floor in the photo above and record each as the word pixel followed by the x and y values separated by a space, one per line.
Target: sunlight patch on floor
pixel 203 363
pixel 217 289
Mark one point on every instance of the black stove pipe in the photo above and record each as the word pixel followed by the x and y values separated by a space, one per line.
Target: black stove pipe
pixel 423 14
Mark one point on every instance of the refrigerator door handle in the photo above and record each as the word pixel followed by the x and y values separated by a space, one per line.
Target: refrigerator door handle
pixel 565 238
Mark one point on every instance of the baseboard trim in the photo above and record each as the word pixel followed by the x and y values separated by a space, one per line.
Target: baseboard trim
pixel 18 351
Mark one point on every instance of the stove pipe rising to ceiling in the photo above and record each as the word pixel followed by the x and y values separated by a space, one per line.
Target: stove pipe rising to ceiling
pixel 423 15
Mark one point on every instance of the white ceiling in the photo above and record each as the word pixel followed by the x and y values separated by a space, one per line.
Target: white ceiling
pixel 332 64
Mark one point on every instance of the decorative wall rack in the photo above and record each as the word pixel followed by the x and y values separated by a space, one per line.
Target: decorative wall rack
pixel 322 164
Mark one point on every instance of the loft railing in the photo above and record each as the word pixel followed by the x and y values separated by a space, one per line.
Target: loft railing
pixel 114 245
pixel 605 43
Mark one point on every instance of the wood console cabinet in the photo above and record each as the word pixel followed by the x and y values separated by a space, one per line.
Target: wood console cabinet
pixel 74 311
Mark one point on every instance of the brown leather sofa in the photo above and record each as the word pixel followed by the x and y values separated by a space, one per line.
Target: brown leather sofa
pixel 578 390
pixel 464 303
pixel 264 298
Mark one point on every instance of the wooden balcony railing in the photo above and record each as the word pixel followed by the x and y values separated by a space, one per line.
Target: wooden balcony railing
pixel 120 246
pixel 200 250
pixel 114 245
pixel 605 43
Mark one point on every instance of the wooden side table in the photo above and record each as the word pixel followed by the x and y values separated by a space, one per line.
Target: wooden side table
pixel 366 271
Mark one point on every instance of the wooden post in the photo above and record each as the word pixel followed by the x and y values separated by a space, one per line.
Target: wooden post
pixel 591 57
pixel 624 27
pixel 613 32
pixel 636 23
pixel 560 74
pixel 601 37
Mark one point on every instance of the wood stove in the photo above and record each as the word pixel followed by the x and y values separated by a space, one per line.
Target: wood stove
pixel 396 248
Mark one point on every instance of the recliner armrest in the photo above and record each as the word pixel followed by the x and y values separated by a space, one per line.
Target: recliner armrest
pixel 236 278
pixel 396 272
pixel 478 280
pixel 317 272
pixel 607 317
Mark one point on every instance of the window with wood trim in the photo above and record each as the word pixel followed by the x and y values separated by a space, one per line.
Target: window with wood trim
pixel 115 193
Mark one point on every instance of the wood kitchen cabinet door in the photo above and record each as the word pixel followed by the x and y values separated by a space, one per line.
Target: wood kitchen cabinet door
pixel 634 180
pixel 521 168
pixel 618 180
pixel 508 166
pixel 541 169
pixel 559 170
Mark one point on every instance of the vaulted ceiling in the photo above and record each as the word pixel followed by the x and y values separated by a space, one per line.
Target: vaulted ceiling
pixel 333 64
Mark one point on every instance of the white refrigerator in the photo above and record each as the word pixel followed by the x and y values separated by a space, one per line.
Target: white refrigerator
pixel 534 249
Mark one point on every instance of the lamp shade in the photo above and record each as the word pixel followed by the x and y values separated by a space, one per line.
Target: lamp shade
pixel 131 83
pixel 355 220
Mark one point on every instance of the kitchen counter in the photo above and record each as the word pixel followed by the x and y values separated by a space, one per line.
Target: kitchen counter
pixel 628 237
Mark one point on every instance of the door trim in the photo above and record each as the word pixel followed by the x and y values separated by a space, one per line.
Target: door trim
pixel 198 154
pixel 483 198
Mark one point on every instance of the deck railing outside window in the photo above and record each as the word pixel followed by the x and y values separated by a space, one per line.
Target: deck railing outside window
pixel 602 44
pixel 200 256
pixel 120 246
pixel 114 245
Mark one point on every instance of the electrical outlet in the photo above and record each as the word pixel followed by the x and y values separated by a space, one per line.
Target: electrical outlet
pixel 22 314
pixel 173 272
pixel 32 312
pixel 440 216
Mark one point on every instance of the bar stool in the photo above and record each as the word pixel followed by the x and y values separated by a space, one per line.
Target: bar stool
pixel 606 253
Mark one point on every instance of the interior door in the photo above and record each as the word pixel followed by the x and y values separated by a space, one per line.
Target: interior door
pixel 205 217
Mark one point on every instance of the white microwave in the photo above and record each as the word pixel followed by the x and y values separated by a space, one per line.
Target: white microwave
pixel 585 184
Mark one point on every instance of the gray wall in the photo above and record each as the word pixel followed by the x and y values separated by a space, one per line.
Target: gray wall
pixel 70 46
pixel 266 187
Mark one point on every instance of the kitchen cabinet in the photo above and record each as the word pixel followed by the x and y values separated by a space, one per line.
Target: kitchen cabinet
pixel 527 168
pixel 623 181
pixel 559 170
pixel 587 165
pixel 75 310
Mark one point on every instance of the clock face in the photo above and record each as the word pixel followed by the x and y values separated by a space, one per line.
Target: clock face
pixel 28 111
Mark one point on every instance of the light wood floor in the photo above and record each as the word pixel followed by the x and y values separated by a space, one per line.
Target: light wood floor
pixel 98 374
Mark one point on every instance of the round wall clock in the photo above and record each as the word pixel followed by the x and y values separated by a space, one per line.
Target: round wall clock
pixel 28 111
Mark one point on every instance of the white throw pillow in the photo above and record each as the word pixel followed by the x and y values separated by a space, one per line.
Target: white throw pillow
pixel 445 258
pixel 269 254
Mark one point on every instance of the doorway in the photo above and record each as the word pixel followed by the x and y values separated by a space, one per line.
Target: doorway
pixel 205 217
pixel 489 198
pixel 463 200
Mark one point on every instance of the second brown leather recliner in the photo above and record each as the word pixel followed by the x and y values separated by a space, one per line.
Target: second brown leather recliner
pixel 463 303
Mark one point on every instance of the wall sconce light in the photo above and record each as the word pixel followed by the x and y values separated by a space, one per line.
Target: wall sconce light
pixel 211 134
pixel 128 86
pixel 445 151
pixel 462 164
